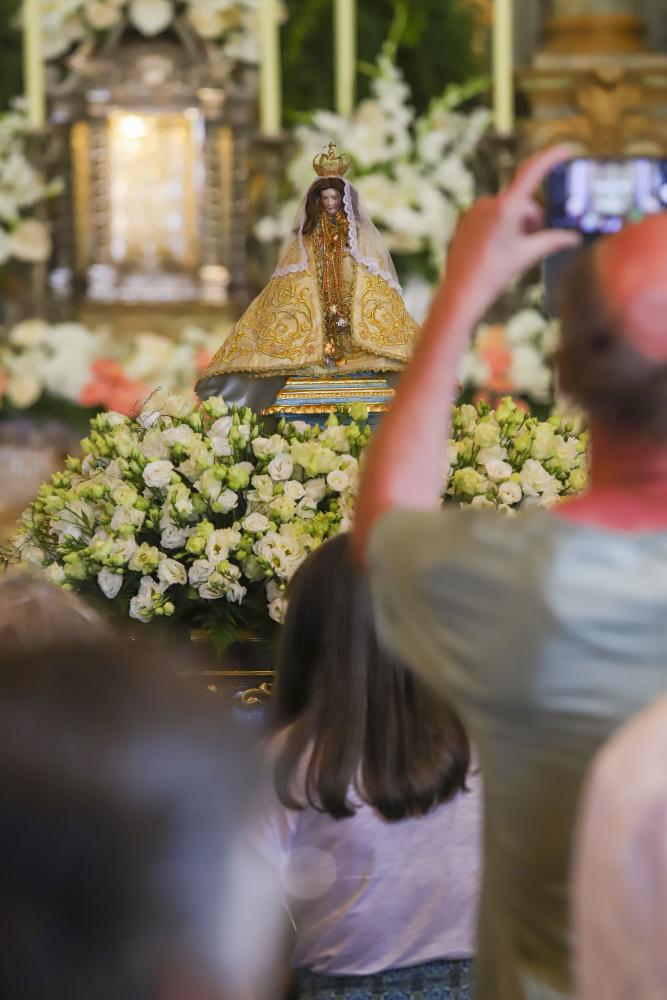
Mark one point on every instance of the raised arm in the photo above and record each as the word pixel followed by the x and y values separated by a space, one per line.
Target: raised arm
pixel 496 242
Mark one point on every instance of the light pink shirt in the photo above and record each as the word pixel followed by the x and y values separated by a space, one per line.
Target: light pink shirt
pixel 366 895
pixel 621 872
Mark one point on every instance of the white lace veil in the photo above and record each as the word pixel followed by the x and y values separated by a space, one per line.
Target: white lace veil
pixel 367 246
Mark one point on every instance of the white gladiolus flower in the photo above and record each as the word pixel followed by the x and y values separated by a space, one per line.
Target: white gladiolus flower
pixel 509 493
pixel 101 16
pixel 30 241
pixel 157 475
pixel 150 17
pixel 255 523
pixel 281 468
pixel 109 582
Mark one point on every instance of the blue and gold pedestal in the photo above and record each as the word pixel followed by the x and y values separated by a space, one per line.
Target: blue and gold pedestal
pixel 308 398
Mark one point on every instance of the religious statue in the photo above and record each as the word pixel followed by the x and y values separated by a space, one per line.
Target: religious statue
pixel 333 304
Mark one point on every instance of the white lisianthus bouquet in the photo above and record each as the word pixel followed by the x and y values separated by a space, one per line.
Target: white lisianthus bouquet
pixel 199 514
pixel 194 513
pixel 413 172
pixel 22 237
pixel 507 459
pixel 230 23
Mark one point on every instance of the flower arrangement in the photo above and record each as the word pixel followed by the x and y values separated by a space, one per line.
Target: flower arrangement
pixel 73 364
pixel 413 172
pixel 230 23
pixel 201 515
pixel 22 237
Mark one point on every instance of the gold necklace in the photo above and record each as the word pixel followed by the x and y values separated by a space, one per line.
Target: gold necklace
pixel 331 241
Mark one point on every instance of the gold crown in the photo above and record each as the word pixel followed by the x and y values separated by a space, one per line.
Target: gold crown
pixel 329 165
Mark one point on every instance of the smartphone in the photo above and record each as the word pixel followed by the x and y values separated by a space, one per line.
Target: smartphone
pixel 598 197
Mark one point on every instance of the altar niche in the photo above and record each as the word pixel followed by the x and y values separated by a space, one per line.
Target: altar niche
pixel 153 144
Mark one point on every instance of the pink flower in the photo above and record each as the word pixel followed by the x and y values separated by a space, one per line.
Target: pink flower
pixel 493 350
pixel 112 389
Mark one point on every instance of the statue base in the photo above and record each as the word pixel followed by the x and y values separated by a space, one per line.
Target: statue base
pixel 308 398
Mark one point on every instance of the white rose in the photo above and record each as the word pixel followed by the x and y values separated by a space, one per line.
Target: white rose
pixel 278 609
pixel 109 582
pixel 263 487
pixel 306 508
pixel 182 434
pixel 535 479
pixel 173 536
pixel 498 471
pixel 171 572
pixel 55 573
pixel 299 426
pixel 221 427
pixel 481 502
pixel 486 455
pixel 235 592
pixel 220 445
pixel 281 468
pixel 124 517
pixel 252 568
pixel 157 475
pixel 338 480
pixel 294 490
pixel 227 501
pixel 509 493
pixel 261 446
pixel 200 572
pixel 255 523
pixel 315 489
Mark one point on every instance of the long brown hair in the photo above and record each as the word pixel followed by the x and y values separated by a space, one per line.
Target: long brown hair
pixel 361 718
pixel 314 200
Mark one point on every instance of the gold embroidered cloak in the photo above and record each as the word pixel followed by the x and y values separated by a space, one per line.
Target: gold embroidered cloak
pixel 282 332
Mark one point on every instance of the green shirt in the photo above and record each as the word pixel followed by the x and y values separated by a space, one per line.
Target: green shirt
pixel 545 635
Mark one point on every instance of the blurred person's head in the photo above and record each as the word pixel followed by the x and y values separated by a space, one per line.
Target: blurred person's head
pixel 122 791
pixel 613 355
pixel 35 612
pixel 365 719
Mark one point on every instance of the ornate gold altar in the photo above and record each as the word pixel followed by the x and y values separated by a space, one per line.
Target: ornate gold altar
pixel 153 145
pixel 594 82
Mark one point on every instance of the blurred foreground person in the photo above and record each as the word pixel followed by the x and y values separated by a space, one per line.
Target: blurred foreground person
pixel 123 793
pixel 621 881
pixel 35 613
pixel 546 630
pixel 375 827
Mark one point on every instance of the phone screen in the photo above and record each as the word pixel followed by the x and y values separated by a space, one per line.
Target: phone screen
pixel 599 197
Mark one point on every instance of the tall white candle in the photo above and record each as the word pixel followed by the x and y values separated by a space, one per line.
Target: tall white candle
pixel 33 64
pixel 503 66
pixel 345 47
pixel 270 98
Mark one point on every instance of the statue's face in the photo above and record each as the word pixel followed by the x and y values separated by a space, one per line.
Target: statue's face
pixel 332 200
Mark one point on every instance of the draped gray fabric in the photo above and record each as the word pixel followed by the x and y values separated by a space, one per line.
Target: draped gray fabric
pixel 546 636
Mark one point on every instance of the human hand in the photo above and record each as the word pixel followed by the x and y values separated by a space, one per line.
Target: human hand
pixel 501 237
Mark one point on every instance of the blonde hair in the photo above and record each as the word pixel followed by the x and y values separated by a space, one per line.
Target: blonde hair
pixel 36 613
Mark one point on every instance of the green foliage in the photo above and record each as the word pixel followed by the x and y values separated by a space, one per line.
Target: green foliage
pixel 431 39
pixel 11 83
